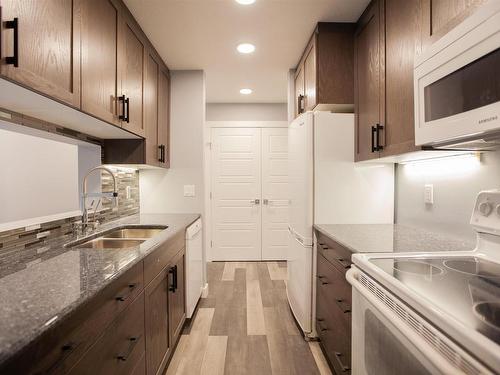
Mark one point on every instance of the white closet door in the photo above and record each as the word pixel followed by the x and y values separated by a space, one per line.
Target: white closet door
pixel 236 194
pixel 274 193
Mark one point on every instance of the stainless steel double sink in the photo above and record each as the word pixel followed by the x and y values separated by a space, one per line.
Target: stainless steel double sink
pixel 118 238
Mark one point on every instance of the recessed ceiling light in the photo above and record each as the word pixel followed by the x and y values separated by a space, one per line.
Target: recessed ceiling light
pixel 246 91
pixel 245 2
pixel 245 48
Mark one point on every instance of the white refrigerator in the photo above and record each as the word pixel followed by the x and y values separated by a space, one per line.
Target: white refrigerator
pixel 327 187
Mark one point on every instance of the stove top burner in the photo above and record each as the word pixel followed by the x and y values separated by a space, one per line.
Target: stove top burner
pixel 474 267
pixel 417 267
pixel 489 314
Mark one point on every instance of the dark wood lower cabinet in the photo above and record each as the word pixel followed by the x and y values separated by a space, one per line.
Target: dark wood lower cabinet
pixel 333 304
pixel 165 314
pixel 157 323
pixel 121 348
pixel 177 305
pixel 130 327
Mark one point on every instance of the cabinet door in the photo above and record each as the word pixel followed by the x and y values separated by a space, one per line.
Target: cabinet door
pixel 299 90
pixel 176 299
pixel 164 118
pixel 131 66
pixel 403 26
pixel 369 79
pixel 310 77
pixel 440 16
pixel 151 111
pixel 48 46
pixel 99 59
pixel 157 323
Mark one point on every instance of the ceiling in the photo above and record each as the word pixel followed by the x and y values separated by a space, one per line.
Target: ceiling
pixel 203 34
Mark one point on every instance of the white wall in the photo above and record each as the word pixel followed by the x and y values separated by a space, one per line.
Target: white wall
pixel 456 183
pixel 163 190
pixel 247 112
pixel 41 175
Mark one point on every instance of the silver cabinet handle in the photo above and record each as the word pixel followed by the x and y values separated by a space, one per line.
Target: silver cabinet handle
pixel 265 201
pixel 255 201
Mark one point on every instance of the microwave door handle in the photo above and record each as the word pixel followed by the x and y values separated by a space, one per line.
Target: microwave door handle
pixel 427 350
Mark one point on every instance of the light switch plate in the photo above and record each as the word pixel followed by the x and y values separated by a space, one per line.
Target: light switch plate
pixel 429 194
pixel 189 191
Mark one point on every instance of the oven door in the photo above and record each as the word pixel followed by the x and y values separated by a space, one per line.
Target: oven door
pixel 384 342
pixel 457 96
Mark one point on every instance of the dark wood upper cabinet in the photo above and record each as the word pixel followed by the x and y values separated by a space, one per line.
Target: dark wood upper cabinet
pixel 100 20
pixel 48 46
pixel 157 323
pixel 176 297
pixel 152 151
pixel 131 67
pixel 164 118
pixel 324 75
pixel 403 41
pixel 299 91
pixel 440 16
pixel 369 80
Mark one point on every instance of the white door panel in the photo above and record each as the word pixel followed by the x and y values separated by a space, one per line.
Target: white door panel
pixel 236 184
pixel 274 193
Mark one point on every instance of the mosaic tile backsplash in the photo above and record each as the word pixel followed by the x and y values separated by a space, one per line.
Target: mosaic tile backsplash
pixel 24 246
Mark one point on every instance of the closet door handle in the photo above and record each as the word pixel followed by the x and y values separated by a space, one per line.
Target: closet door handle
pixel 122 117
pixel 374 130
pixel 160 150
pixel 14 25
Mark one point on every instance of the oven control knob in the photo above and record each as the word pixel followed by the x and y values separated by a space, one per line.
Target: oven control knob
pixel 485 208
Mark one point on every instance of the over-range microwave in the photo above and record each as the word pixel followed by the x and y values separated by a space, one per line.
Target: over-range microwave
pixel 457 85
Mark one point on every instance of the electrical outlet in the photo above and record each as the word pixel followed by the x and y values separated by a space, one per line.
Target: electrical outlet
pixel 189 191
pixel 429 194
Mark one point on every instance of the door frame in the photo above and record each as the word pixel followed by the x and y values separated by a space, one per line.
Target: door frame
pixel 207 178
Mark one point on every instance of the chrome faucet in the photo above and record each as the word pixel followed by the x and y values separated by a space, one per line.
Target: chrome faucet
pixel 108 195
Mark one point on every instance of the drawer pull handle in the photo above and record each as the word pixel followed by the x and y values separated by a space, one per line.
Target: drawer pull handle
pixel 338 357
pixel 320 277
pixel 343 262
pixel 132 343
pixel 123 298
pixel 321 325
pixel 66 350
pixel 343 306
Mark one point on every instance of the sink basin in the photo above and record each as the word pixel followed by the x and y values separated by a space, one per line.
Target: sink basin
pixel 134 233
pixel 118 238
pixel 104 243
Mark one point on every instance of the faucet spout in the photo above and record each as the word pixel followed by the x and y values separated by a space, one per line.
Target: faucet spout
pixel 85 194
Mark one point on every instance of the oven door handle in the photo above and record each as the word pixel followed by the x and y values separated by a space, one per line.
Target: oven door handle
pixel 420 344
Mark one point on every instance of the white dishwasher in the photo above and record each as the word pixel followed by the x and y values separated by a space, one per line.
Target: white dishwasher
pixel 194 266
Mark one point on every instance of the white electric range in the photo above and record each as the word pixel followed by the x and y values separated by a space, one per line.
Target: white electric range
pixel 430 313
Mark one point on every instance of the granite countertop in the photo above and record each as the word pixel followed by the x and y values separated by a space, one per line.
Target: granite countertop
pixel 392 238
pixel 37 298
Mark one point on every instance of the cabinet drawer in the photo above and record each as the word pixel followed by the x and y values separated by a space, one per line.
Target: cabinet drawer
pixel 335 253
pixel 332 283
pixel 333 317
pixel 160 258
pixel 121 348
pixel 335 335
pixel 60 348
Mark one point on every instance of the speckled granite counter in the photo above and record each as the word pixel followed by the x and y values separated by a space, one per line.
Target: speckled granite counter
pixel 36 298
pixel 393 238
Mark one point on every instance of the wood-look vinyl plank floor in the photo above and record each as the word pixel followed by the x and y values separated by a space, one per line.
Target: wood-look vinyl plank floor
pixel 245 327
